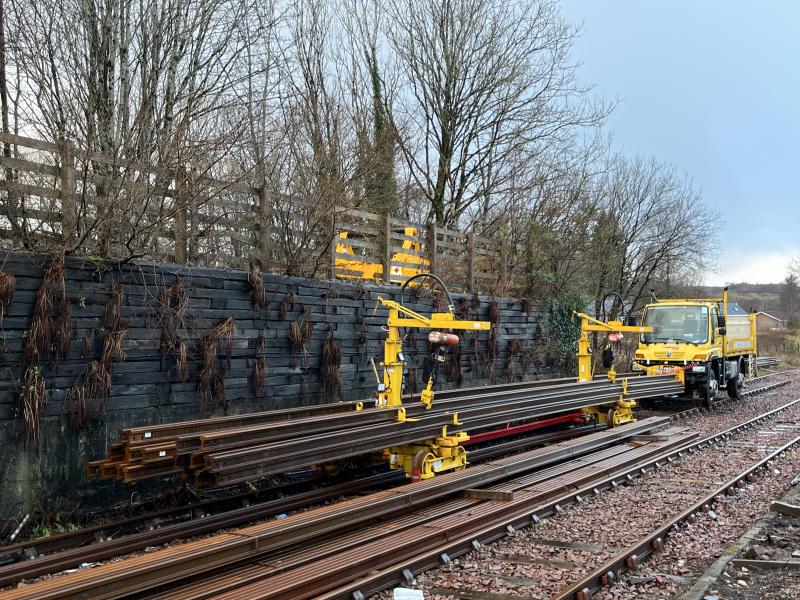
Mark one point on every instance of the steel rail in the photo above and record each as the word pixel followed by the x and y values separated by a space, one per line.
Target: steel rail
pixel 419 562
pixel 148 434
pixel 311 560
pixel 10 553
pixel 66 559
pixel 56 544
pixel 312 579
pixel 607 573
pixel 192 558
pixel 162 455
pixel 259 461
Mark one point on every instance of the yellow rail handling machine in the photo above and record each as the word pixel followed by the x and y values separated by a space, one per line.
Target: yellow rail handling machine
pixel 622 411
pixel 421 460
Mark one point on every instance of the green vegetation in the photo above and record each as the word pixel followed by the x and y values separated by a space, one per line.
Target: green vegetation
pixel 562 329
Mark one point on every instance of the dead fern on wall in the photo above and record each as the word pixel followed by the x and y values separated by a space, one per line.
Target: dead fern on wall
pixel 514 347
pixel 331 362
pixel 299 335
pixel 330 294
pixel 8 283
pixel 527 306
pixel 210 381
pixel 182 362
pixel 258 294
pixel 261 368
pixel 49 336
pixel 453 366
pixel 172 305
pixel 286 305
pixel 31 402
pixel 88 397
pixel 50 332
pixel 462 309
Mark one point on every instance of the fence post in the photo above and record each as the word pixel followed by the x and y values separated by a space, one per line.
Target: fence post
pixel 68 217
pixel 179 202
pixel 503 259
pixel 470 262
pixel 387 249
pixel 431 235
pixel 332 252
pixel 263 225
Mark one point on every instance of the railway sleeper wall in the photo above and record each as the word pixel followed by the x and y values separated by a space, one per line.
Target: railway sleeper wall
pixel 145 387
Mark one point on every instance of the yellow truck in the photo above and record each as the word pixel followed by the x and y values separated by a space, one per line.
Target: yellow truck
pixel 711 340
pixel 403 265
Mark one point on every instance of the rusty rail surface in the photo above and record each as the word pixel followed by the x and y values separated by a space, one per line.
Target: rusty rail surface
pixel 264 444
pixel 607 573
pixel 416 562
pixel 176 563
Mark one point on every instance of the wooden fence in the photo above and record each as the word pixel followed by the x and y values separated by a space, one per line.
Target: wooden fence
pixel 56 195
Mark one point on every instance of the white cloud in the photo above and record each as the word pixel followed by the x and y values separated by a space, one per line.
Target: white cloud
pixel 758 267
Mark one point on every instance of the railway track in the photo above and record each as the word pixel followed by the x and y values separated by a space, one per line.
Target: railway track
pixel 535 582
pixel 634 554
pixel 276 538
pixel 157 519
pixel 62 560
pixel 91 544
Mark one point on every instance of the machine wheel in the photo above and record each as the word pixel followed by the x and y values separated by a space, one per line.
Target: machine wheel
pixel 611 415
pixel 708 391
pixel 735 387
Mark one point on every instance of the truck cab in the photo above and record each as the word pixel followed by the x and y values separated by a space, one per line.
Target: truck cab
pixel 712 341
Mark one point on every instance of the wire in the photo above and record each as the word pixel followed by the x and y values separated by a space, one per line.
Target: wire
pixel 621 305
pixel 431 276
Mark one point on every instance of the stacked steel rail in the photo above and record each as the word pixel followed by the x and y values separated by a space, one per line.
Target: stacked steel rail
pixel 763 362
pixel 228 450
pixel 360 551
pixel 586 457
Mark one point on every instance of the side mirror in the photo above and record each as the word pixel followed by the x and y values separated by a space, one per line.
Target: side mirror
pixel 630 320
pixel 722 331
pixel 721 322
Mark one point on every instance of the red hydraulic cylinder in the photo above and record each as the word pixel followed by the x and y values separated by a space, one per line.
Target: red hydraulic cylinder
pixel 575 418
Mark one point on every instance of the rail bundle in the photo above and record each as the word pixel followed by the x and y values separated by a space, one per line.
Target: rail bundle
pixel 231 449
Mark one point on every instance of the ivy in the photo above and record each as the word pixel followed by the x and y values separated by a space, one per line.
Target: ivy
pixel 562 329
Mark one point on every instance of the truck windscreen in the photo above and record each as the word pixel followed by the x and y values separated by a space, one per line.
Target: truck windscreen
pixel 674 324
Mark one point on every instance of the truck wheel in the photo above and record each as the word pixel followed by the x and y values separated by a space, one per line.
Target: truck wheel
pixel 735 387
pixel 708 391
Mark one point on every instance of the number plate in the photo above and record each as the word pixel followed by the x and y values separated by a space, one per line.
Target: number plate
pixel 665 370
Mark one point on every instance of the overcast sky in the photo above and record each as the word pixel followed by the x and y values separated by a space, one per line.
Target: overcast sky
pixel 712 87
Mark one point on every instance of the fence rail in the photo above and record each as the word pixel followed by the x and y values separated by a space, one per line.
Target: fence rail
pixel 57 195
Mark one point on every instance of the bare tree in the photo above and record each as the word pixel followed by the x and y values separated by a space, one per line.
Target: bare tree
pixel 488 89
pixel 652 231
pixel 139 82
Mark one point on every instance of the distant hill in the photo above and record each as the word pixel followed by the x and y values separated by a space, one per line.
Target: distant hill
pixel 755 296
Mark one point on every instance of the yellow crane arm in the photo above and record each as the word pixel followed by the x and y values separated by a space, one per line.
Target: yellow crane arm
pixel 390 391
pixel 591 324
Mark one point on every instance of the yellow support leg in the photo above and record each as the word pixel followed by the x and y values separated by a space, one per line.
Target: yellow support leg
pixel 425 459
pixel 620 413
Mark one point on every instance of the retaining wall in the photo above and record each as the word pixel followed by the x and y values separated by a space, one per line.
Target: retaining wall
pixel 145 385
